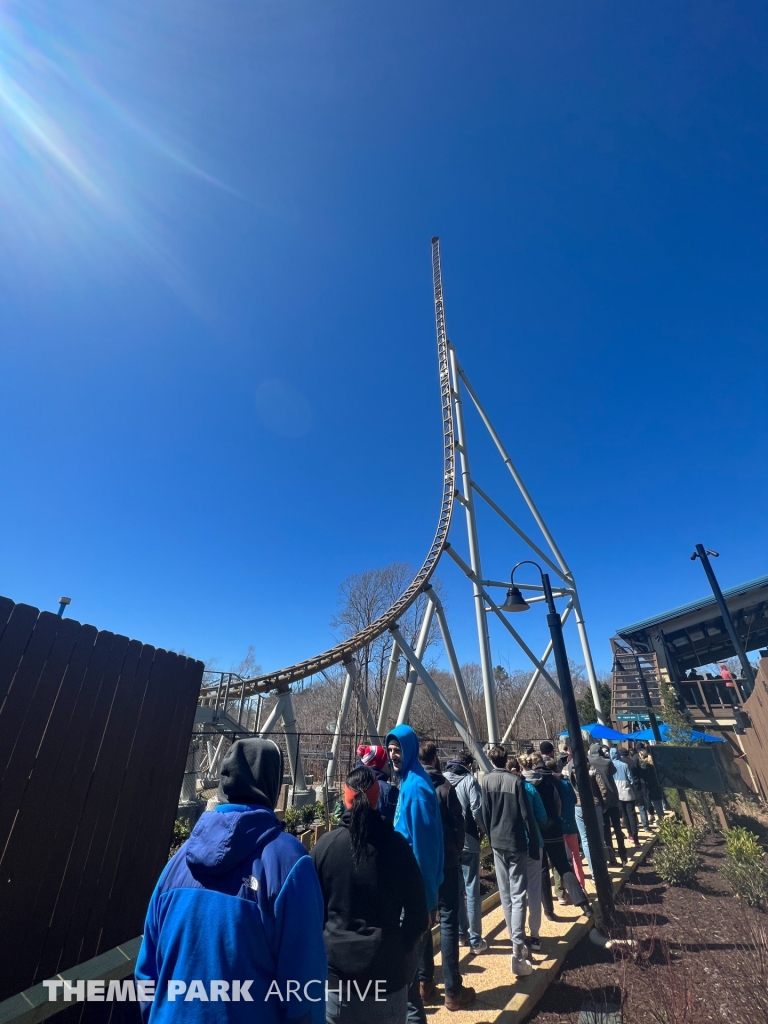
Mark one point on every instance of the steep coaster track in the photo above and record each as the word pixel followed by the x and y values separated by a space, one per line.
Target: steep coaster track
pixel 344 651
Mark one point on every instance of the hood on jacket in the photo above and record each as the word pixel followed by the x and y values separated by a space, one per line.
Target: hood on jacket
pixel 409 744
pixel 226 837
pixel 456 768
pixel 614 754
pixel 252 773
pixel 417 815
pixel 435 775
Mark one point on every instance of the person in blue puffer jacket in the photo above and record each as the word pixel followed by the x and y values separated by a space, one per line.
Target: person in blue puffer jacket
pixel 234 929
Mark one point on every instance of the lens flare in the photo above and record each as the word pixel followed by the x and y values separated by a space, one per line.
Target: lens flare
pixel 78 170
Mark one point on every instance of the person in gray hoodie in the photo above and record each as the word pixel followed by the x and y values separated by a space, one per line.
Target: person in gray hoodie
pixel 625 786
pixel 459 773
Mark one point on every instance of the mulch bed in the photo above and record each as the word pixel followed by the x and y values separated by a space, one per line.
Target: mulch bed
pixel 703 956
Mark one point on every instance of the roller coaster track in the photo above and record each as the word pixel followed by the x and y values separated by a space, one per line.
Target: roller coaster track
pixel 344 651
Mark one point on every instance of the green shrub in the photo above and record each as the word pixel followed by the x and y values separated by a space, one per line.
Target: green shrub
pixel 677 859
pixel 743 846
pixel 310 812
pixel 749 882
pixel 292 819
pixel 182 830
pixel 744 867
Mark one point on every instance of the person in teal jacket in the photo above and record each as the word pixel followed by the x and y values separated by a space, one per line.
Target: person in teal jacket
pixel 570 833
pixel 534 863
pixel 418 818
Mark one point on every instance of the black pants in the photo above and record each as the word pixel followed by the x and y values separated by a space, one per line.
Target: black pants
pixel 629 816
pixel 448 906
pixel 612 817
pixel 554 854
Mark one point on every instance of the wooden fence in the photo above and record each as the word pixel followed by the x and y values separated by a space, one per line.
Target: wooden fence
pixel 755 740
pixel 94 732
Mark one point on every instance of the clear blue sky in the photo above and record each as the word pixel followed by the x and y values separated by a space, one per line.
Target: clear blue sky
pixel 218 387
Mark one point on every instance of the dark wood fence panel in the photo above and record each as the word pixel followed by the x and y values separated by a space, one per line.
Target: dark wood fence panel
pixel 94 730
pixel 755 740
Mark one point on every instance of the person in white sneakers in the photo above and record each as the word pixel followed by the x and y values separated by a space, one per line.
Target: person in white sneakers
pixel 513 837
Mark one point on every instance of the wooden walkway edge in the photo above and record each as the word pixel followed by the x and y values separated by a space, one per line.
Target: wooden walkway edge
pixel 503 998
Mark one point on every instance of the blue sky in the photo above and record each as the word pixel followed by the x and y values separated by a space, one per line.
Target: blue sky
pixel 218 386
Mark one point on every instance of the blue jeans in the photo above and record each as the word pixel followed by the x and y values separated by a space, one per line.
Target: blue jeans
pixel 416 1014
pixel 368 1011
pixel 583 833
pixel 470 900
pixel 448 907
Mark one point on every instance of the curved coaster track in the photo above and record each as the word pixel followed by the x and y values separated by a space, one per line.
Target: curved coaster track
pixel 452 377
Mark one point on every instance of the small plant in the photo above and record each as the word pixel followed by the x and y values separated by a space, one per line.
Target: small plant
pixel 182 830
pixel 743 845
pixel 292 819
pixel 308 814
pixel 745 867
pixel 677 858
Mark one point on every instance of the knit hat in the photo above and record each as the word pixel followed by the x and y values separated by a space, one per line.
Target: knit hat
pixel 251 773
pixel 372 757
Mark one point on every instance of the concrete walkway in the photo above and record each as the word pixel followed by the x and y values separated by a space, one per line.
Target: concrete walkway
pixel 501 997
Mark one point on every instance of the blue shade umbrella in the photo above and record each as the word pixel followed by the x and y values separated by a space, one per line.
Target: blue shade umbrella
pixel 647 734
pixel 602 732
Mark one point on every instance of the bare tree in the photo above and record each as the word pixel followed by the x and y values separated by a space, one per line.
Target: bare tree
pixel 365 596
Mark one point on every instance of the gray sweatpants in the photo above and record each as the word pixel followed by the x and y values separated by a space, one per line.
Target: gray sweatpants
pixel 512 879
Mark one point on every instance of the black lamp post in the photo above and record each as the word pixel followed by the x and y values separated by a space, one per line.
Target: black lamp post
pixel 738 647
pixel 516 603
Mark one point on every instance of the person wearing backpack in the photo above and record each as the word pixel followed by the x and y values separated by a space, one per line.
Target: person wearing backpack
pixel 459 773
pixel 537 773
pixel 375 909
pixel 238 908
pixel 627 796
pixel 458 996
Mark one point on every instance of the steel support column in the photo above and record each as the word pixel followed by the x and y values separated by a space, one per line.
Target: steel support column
pixel 421 646
pixel 486 666
pixel 534 678
pixel 273 717
pixel 389 689
pixel 439 698
pixel 564 569
pixel 453 661
pixel 292 743
pixel 346 699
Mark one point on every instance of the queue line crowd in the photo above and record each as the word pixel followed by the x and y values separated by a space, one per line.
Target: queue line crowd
pixel 242 899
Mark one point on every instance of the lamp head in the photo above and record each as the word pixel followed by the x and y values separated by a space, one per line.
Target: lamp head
pixel 514 601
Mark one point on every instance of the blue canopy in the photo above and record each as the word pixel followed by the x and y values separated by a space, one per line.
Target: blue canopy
pixel 602 732
pixel 647 734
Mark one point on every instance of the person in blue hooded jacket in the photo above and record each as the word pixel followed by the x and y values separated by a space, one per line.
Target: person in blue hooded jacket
pixel 234 929
pixel 418 818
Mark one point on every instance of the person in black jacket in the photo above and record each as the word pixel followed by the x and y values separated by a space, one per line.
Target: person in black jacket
pixel 375 909
pixel 539 775
pixel 599 760
pixel 457 995
pixel 514 838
